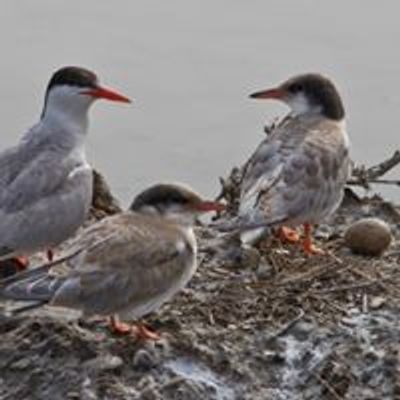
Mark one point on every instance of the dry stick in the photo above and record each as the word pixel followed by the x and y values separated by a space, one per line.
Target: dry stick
pixel 378 282
pixel 350 287
pixel 309 275
pixel 358 182
pixel 285 328
pixel 385 181
pixel 362 177
pixel 385 166
pixel 364 303
pixel 335 257
pixel 393 253
pixel 328 387
pixel 367 277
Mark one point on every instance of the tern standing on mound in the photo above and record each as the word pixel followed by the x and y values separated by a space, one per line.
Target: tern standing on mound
pixel 126 265
pixel 297 174
pixel 45 180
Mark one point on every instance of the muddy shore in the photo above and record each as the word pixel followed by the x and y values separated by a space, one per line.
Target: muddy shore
pixel 258 323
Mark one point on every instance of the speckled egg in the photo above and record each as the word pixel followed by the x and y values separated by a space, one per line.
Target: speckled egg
pixel 368 236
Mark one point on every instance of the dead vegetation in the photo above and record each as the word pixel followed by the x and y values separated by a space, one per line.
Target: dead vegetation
pixel 264 323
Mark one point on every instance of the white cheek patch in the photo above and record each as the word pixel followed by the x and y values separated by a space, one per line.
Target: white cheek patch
pixel 299 104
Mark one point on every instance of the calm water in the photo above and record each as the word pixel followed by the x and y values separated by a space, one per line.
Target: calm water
pixel 190 65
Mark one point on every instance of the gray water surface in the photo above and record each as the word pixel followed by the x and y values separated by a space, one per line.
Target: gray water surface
pixel 190 65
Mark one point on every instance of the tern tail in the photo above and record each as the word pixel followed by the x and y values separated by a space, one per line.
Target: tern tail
pixel 34 285
pixel 40 287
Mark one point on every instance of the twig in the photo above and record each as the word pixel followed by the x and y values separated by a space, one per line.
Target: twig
pixel 363 177
pixel 350 287
pixel 328 387
pixel 393 253
pixel 389 281
pixel 383 167
pixel 367 277
pixel 356 182
pixel 312 274
pixel 335 257
pixel 285 328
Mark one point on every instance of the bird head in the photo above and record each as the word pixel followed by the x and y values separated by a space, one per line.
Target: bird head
pixel 74 89
pixel 308 93
pixel 174 202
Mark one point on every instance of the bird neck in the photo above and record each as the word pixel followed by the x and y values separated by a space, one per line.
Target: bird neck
pixel 69 117
pixel 190 237
pixel 65 125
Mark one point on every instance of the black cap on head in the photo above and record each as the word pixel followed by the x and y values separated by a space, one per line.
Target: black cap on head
pixel 319 90
pixel 164 195
pixel 73 76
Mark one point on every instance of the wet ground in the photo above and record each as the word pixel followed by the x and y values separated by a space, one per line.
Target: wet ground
pixel 264 323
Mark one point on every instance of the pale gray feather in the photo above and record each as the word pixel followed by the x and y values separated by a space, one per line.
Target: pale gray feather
pixel 40 179
pixel 298 172
pixel 126 263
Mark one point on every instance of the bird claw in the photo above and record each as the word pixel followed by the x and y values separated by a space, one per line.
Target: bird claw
pixel 138 330
pixel 311 249
pixel 287 234
pixel 120 328
pixel 142 332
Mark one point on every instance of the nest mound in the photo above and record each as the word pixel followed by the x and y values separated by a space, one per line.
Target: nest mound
pixel 255 323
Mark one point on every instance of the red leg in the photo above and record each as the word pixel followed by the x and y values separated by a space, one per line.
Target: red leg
pixel 119 327
pixel 137 330
pixel 308 246
pixel 144 333
pixel 287 234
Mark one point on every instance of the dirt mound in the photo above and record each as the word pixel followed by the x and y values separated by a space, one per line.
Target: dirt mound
pixel 264 323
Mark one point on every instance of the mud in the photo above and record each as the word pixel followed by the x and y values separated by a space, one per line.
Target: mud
pixel 258 323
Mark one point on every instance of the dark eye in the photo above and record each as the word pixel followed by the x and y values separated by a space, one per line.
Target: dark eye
pixel 295 88
pixel 177 198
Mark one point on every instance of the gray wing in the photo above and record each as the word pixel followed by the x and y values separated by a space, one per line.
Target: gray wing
pixel 121 261
pixel 17 159
pixel 264 170
pixel 39 178
pixel 288 171
pixel 138 262
pixel 125 236
pixel 12 160
pixel 35 195
pixel 261 173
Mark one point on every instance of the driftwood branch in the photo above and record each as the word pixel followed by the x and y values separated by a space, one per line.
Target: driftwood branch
pixel 362 176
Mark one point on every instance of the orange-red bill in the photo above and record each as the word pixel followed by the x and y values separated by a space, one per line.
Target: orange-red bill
pixel 275 93
pixel 21 262
pixel 206 206
pixel 108 94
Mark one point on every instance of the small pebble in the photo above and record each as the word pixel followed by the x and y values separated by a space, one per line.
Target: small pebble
pixel 368 236
pixel 377 302
pixel 264 270
pixel 21 364
pixel 144 360
pixel 104 363
pixel 239 257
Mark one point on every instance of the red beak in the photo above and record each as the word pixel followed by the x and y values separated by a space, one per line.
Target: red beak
pixel 108 94
pixel 206 206
pixel 275 93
